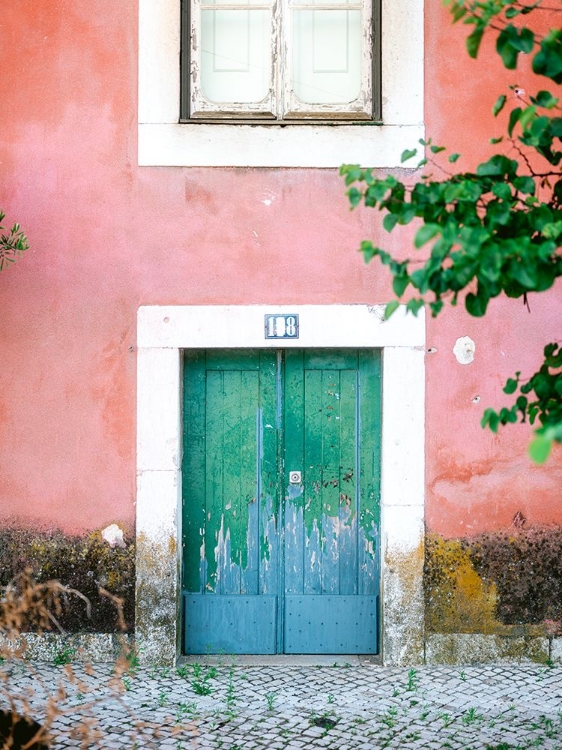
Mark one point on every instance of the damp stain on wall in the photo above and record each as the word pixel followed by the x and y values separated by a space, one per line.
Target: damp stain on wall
pixel 506 582
pixel 84 563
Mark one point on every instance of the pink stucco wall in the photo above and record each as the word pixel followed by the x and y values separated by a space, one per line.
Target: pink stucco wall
pixel 107 236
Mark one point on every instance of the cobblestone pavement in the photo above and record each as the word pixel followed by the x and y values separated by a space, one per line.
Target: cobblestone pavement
pixel 234 706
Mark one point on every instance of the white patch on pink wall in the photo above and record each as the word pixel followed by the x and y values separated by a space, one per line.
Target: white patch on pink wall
pixel 113 535
pixel 464 349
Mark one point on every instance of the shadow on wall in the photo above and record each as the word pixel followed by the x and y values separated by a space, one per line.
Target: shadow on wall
pixel 501 583
pixel 85 563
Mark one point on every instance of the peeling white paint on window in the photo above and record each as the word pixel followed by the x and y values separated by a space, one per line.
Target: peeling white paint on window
pixel 464 349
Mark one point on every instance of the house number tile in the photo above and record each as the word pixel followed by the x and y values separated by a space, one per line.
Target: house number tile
pixel 281 326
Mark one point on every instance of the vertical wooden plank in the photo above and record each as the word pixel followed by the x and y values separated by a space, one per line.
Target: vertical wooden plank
pixel 312 510
pixel 266 469
pixel 230 554
pixel 369 471
pixel 349 424
pixel 330 399
pixel 214 527
pixel 193 472
pixel 248 516
pixel 294 532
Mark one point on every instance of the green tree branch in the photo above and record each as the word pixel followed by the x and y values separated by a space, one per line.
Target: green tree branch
pixel 495 230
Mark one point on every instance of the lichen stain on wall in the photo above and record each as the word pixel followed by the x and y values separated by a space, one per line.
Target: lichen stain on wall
pixel 84 563
pixel 499 583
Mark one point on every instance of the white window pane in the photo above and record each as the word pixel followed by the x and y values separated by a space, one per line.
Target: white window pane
pixel 326 64
pixel 235 54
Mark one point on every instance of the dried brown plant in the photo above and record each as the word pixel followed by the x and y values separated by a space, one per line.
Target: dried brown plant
pixel 27 606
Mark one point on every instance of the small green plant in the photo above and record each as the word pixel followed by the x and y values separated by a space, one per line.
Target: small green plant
pixel 470 716
pixel 230 693
pixel 183 671
pixel 186 711
pixel 201 677
pixel 447 719
pixel 331 698
pixel 270 698
pixel 132 660
pixel 63 655
pixel 126 682
pixel 413 679
pixel 462 675
pixel 12 245
pixel 162 699
pixel 389 717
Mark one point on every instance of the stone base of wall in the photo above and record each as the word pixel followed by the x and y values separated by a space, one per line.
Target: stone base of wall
pixel 476 648
pixel 78 647
pixel 440 648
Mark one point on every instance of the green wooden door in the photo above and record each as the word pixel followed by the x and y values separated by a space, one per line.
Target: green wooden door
pixel 281 501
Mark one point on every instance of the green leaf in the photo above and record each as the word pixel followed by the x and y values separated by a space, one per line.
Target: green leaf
pixel 499 105
pixel 548 60
pixel 414 305
pixel 389 222
pixel 399 285
pixel 539 449
pixel 426 233
pixel 476 304
pixel 391 308
pixel 408 154
pixel 437 149
pixel 506 45
pixel 524 184
pixel 473 42
pixel 502 190
pixel 514 116
pixel 510 386
pixel 354 196
pixel 545 99
pixel 369 251
pixel 352 173
pixel 490 419
pixel 454 157
pixel 497 166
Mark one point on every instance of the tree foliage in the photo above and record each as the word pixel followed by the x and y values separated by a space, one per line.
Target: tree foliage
pixel 12 243
pixel 498 229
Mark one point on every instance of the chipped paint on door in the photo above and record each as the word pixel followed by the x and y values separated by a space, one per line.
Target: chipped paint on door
pixel 255 569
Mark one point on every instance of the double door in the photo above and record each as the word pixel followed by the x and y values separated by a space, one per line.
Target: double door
pixel 281 493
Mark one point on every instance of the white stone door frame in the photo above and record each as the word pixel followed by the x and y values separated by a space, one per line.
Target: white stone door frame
pixel 163 333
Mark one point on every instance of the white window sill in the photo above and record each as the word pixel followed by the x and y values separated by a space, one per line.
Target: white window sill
pixel 205 145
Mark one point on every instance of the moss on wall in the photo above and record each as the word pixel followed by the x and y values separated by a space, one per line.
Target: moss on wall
pixel 500 583
pixel 85 563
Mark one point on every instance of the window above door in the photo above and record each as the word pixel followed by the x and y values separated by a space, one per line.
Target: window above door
pixel 272 60
pixel 279 83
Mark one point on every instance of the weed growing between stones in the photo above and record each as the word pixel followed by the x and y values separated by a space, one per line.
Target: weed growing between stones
pixel 201 677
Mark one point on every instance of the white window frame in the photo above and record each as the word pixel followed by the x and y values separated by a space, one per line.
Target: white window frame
pixel 164 141
pixel 281 101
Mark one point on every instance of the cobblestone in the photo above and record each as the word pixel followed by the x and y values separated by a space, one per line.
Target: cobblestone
pixel 272 707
